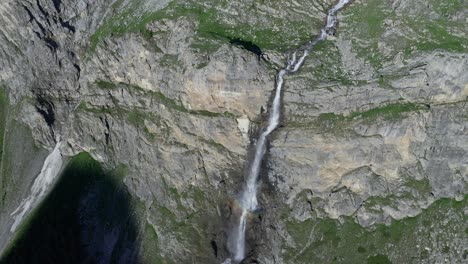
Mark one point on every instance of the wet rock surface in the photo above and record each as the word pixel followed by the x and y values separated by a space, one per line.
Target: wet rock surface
pixel 368 165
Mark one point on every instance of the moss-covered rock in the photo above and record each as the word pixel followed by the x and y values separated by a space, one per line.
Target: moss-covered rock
pixel 410 240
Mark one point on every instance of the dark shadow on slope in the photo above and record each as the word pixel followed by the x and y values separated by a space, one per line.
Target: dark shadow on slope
pixel 247 45
pixel 87 218
pixel 45 106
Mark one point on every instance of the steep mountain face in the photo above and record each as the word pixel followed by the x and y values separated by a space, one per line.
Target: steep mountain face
pixel 369 162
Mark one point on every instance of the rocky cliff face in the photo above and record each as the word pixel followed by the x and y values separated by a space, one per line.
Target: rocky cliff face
pixel 369 164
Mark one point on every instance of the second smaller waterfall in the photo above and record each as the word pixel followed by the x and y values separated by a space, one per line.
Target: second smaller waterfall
pixel 50 170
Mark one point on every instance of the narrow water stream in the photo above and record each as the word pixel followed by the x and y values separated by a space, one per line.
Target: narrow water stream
pixel 248 200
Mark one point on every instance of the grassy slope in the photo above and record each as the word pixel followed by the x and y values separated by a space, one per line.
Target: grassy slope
pixel 330 122
pixel 277 34
pixel 443 224
pixel 378 34
pixel 431 28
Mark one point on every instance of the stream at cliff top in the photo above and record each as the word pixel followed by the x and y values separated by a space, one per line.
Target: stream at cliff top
pixel 248 200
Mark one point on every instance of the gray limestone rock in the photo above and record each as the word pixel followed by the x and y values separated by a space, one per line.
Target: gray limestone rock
pixel 374 127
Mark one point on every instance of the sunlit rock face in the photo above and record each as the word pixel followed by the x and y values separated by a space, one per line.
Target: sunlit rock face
pixel 369 162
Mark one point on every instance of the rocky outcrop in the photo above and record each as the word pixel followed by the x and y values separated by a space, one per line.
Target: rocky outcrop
pixel 373 151
pixel 373 131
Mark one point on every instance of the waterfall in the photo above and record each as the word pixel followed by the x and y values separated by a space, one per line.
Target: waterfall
pixel 248 199
pixel 50 170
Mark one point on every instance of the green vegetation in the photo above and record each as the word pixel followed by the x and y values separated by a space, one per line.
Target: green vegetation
pixel 136 118
pixel 191 228
pixel 170 60
pixel 403 241
pixel 378 259
pixel 435 36
pixel 157 96
pixel 437 31
pixel 330 68
pixel 411 191
pixel 421 186
pixel 105 85
pixel 390 111
pixel 171 103
pixel 448 8
pixel 432 27
pixel 151 246
pixel 97 110
pixel 366 22
pixel 277 34
pixel 330 122
pixel 59 229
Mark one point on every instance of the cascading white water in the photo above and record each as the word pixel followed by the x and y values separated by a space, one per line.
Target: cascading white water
pixel 50 170
pixel 248 200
